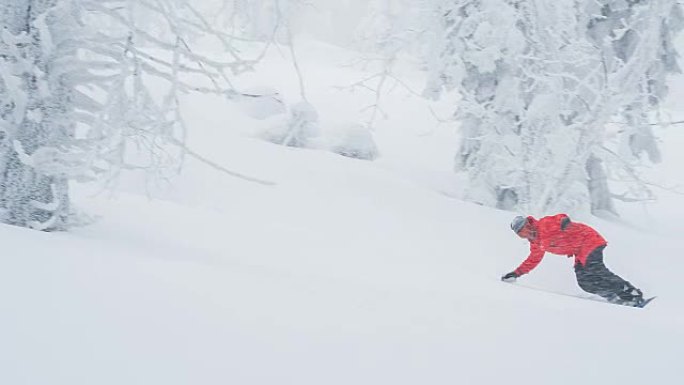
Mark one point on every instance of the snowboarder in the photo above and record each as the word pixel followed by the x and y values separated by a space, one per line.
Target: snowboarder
pixel 558 235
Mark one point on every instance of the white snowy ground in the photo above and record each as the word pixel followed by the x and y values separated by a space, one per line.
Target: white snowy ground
pixel 344 272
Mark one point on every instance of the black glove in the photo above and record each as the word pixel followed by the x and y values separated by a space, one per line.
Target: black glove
pixel 510 277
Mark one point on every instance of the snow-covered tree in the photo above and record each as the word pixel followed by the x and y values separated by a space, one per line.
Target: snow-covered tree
pixel 539 82
pixel 35 119
pixel 633 36
pixel 85 82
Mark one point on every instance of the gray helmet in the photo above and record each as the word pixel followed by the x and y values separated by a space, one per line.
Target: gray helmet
pixel 518 223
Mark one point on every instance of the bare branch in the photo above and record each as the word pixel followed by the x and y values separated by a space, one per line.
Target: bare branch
pixel 221 168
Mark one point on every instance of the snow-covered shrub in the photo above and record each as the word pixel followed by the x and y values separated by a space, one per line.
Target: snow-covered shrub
pixel 298 129
pixel 354 141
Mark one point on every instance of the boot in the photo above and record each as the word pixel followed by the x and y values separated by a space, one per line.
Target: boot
pixel 631 296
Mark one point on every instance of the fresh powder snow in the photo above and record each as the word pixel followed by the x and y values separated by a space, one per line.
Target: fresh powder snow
pixel 337 271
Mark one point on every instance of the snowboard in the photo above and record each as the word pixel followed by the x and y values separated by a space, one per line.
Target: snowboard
pixel 588 297
pixel 646 301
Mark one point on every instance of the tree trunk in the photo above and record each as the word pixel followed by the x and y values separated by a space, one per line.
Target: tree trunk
pixel 36 119
pixel 599 192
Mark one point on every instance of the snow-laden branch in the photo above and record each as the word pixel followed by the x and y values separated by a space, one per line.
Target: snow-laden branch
pixel 89 88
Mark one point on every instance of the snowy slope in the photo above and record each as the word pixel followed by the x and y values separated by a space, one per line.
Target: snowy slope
pixel 343 272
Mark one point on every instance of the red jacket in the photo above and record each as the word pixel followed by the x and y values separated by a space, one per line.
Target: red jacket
pixel 577 239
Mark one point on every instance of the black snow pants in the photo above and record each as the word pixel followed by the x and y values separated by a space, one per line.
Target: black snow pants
pixel 594 277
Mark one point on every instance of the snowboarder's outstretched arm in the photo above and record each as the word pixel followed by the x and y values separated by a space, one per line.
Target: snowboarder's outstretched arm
pixel 536 255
